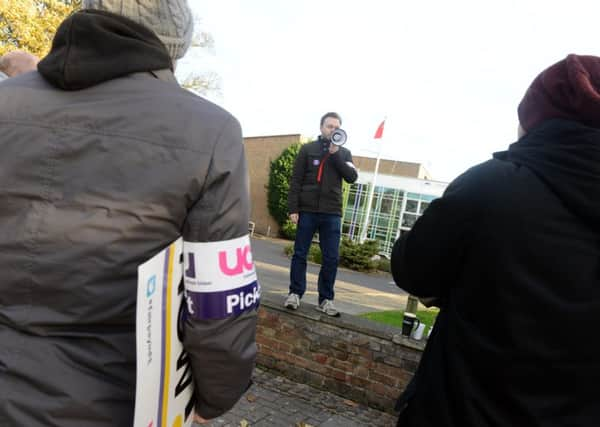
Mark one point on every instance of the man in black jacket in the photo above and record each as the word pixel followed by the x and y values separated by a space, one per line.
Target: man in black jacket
pixel 315 204
pixel 511 252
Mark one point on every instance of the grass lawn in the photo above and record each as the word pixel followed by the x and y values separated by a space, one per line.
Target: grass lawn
pixel 394 317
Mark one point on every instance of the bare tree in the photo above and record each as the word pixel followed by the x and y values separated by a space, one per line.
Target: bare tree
pixel 206 82
pixel 203 83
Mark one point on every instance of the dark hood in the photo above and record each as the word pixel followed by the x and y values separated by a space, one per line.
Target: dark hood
pixel 92 46
pixel 566 156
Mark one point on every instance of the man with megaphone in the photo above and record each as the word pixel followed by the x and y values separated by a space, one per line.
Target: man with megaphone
pixel 315 204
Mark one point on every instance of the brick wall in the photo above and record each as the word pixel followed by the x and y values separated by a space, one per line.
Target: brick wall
pixel 363 361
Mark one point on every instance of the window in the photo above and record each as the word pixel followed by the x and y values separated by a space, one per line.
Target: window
pixel 408 220
pixel 411 206
pixel 386 205
pixel 428 198
pixel 351 198
pixel 393 213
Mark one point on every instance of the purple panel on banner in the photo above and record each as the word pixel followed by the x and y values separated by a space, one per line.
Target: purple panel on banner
pixel 222 304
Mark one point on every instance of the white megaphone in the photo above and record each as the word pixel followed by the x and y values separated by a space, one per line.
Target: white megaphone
pixel 339 137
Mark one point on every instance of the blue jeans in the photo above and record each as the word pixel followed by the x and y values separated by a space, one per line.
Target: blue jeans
pixel 328 226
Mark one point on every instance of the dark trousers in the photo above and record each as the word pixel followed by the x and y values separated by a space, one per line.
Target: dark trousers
pixel 329 228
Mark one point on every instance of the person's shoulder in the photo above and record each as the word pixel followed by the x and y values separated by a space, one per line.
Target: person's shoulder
pixel 490 169
pixel 201 105
pixel 311 146
pixel 205 113
pixel 172 97
pixel 198 120
pixel 485 180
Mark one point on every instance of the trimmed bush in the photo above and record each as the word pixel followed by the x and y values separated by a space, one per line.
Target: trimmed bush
pixel 314 253
pixel 359 256
pixel 355 256
pixel 383 264
pixel 288 230
pixel 288 250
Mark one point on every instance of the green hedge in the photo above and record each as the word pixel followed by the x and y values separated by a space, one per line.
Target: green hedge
pixel 359 256
pixel 278 187
pixel 314 253
pixel 288 230
pixel 355 256
pixel 383 264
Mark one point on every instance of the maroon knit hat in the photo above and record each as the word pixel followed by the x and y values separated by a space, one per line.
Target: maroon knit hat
pixel 569 89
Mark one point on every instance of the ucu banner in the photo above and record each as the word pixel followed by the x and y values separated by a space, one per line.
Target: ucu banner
pixel 219 305
pixel 230 264
pixel 220 278
pixel 218 264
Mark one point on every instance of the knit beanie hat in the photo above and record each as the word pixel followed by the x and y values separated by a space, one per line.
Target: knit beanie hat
pixel 569 89
pixel 171 20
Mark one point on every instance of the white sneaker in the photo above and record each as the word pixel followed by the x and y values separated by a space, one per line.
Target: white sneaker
pixel 328 308
pixel 292 302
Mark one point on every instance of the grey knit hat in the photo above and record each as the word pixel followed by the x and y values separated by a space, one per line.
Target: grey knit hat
pixel 171 20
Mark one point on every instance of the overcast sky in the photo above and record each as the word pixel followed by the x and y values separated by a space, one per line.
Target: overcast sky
pixel 448 75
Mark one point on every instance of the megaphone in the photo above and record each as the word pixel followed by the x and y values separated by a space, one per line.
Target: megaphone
pixel 339 137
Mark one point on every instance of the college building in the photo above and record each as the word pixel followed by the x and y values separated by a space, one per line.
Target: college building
pixel 402 193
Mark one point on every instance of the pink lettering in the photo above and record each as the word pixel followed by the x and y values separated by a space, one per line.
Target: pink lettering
pixel 243 261
pixel 247 257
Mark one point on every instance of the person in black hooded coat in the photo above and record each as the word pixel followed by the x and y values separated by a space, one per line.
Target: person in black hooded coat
pixel 511 252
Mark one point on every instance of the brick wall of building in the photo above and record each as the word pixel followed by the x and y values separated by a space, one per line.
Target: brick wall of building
pixel 358 359
pixel 260 152
pixel 392 167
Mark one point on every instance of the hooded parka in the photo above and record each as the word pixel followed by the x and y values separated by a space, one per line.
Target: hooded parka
pixel 511 251
pixel 106 161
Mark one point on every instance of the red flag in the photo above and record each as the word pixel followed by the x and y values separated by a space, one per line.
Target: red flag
pixel 379 132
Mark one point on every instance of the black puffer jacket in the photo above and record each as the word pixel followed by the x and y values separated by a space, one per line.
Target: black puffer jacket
pixel 316 184
pixel 94 182
pixel 512 251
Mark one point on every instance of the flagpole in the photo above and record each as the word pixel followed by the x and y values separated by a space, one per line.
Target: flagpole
pixel 364 228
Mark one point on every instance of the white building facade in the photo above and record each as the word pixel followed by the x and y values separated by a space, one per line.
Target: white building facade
pixel 397 203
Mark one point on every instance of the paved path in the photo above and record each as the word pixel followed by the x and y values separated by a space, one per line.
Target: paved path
pixel 274 401
pixel 355 292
